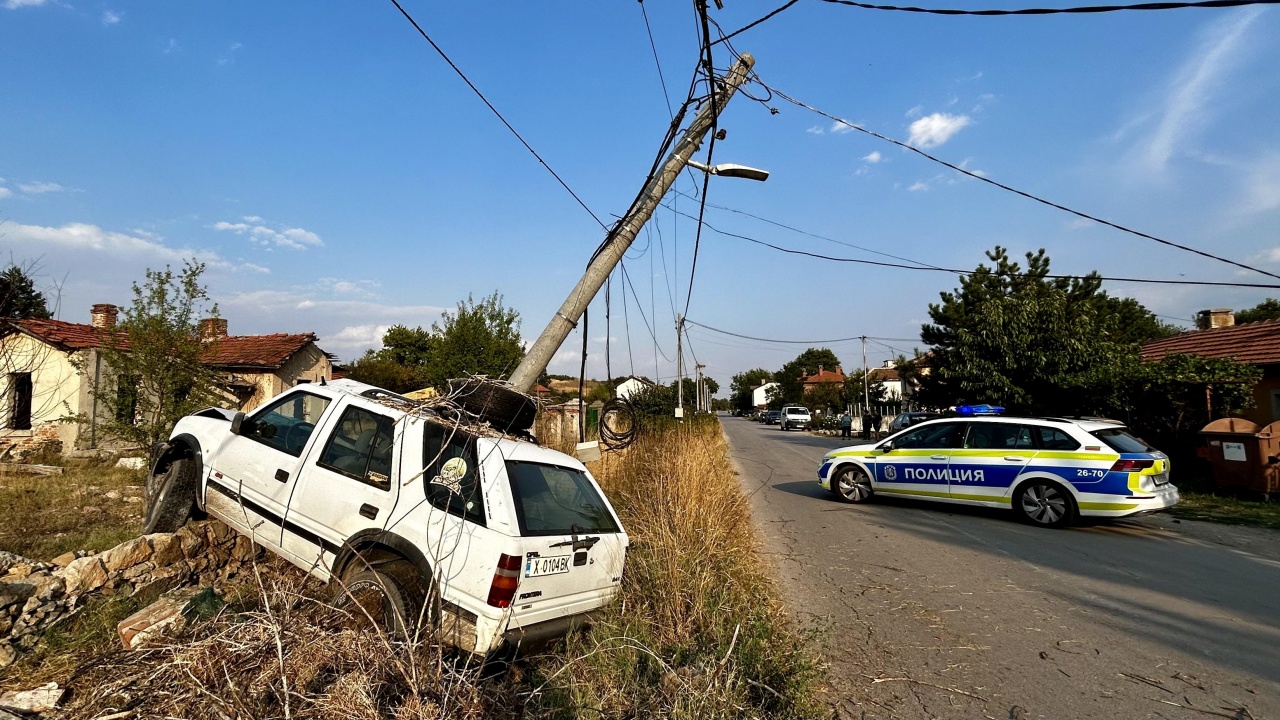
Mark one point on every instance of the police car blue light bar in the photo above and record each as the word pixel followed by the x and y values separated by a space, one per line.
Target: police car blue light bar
pixel 979 410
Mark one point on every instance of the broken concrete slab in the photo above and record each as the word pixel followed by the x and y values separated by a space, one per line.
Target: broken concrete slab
pixel 40 700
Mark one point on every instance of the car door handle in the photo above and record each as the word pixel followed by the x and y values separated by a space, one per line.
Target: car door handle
pixel 369 511
pixel 1014 459
pixel 937 457
pixel 282 476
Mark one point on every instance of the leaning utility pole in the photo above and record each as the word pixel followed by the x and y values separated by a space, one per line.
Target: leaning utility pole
pixel 679 366
pixel 602 265
pixel 866 377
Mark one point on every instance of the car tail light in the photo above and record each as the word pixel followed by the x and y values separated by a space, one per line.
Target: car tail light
pixel 505 579
pixel 1132 465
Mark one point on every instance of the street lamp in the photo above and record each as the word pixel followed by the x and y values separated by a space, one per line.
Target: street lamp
pixel 732 170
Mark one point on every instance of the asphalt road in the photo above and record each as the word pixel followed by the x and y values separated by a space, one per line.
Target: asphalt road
pixel 934 610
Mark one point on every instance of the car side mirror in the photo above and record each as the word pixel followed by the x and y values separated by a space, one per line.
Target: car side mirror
pixel 237 424
pixel 886 447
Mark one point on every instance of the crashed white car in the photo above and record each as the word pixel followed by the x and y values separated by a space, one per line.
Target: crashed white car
pixel 497 541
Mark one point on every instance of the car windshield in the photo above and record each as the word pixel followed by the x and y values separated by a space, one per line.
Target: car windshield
pixel 1120 440
pixel 797 411
pixel 556 500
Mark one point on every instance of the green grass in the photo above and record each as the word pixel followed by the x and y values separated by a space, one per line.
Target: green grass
pixel 1211 507
pixel 45 515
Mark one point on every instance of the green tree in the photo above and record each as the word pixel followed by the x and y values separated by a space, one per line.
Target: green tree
pixel 478 338
pixel 1268 309
pixel 1025 341
pixel 155 372
pixel 741 386
pixel 790 377
pixel 19 297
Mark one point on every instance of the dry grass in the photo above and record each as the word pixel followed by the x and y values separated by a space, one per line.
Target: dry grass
pixel 699 632
pixel 86 508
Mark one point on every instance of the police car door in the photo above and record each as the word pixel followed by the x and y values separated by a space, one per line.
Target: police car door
pixel 991 457
pixel 915 462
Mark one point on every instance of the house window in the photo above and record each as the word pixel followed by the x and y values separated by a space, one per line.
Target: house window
pixel 127 400
pixel 20 401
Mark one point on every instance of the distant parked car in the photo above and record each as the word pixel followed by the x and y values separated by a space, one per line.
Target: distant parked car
pixel 795 416
pixel 907 419
pixel 772 417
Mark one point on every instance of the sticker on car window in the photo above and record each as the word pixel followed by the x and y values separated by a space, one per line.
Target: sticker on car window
pixel 451 475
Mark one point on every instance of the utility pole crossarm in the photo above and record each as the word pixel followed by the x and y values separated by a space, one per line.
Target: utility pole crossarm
pixel 566 318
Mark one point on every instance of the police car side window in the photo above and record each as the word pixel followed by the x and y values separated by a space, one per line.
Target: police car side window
pixel 998 436
pixel 929 437
pixel 1055 439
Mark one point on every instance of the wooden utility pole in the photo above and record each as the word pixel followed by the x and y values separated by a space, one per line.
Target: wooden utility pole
pixel 566 318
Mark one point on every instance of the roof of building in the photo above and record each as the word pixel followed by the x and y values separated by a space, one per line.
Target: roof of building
pixel 1253 343
pixel 884 375
pixel 233 351
pixel 823 377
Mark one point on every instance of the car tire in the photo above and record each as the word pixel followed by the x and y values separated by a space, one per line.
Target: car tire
pixel 171 497
pixel 1044 503
pixel 388 596
pixel 503 407
pixel 851 484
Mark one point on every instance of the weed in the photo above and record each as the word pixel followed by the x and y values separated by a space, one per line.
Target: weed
pixel 86 508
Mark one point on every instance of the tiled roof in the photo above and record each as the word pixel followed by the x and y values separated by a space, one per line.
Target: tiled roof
pixel 1252 343
pixel 823 377
pixel 884 375
pixel 234 351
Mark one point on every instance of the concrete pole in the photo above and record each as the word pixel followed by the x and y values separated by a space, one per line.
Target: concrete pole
pixel 680 366
pixel 566 318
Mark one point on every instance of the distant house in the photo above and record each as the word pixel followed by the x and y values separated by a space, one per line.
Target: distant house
pixel 541 392
pixel 823 378
pixel 760 394
pixel 40 388
pixel 887 377
pixel 1256 344
pixel 632 385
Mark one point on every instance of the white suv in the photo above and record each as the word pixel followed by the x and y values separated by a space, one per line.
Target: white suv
pixel 499 541
pixel 795 416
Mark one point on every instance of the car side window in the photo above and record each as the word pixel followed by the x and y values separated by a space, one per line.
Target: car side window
pixel 360 447
pixel 1054 439
pixel 998 436
pixel 452 472
pixel 287 423
pixel 929 437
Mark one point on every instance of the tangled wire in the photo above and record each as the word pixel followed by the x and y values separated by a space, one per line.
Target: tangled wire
pixel 619 424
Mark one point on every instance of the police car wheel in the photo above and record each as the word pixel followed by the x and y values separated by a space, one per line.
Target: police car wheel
pixel 851 484
pixel 1044 503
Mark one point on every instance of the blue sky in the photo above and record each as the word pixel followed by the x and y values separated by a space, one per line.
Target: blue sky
pixel 338 178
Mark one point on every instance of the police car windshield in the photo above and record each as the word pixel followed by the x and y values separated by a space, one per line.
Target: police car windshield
pixel 1121 441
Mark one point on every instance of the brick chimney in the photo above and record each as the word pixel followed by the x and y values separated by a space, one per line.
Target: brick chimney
pixel 213 328
pixel 1215 318
pixel 103 316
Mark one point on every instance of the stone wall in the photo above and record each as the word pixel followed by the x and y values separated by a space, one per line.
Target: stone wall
pixel 35 595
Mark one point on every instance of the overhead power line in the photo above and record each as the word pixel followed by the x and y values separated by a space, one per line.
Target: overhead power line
pixel 647 326
pixel 795 342
pixel 1049 11
pixel 499 115
pixel 1016 191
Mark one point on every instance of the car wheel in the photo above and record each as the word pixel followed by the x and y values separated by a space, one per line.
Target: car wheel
pixel 171 497
pixel 1044 503
pixel 851 484
pixel 387 596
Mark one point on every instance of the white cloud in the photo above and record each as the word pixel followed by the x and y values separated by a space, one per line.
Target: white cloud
pixel 1262 188
pixel 840 128
pixel 1079 224
pixel 230 57
pixel 915 111
pixel 934 130
pixel 1187 107
pixel 110 17
pixel 171 46
pixel 87 237
pixel 873 157
pixel 918 185
pixel 37 187
pixel 815 130
pixel 5 192
pixel 15 4
pixel 263 235
pixel 355 337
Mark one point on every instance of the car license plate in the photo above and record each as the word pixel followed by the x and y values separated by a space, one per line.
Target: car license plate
pixel 553 565
pixel 1161 479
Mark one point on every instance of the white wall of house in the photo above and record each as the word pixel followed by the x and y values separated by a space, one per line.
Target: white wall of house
pixel 629 387
pixel 760 396
pixel 55 389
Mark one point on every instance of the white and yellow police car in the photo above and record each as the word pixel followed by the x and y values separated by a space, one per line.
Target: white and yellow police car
pixel 1047 470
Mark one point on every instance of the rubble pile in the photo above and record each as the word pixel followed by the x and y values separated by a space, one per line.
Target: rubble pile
pixel 35 595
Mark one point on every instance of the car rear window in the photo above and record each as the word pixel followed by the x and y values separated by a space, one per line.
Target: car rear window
pixel 1120 440
pixel 556 500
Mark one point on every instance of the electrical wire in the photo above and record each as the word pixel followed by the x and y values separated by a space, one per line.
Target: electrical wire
pixel 653 46
pixel 1002 186
pixel 796 342
pixel 620 435
pixel 480 95
pixel 711 145
pixel 748 26
pixel 626 276
pixel 1053 11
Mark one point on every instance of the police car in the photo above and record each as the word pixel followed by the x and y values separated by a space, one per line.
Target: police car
pixel 1047 470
